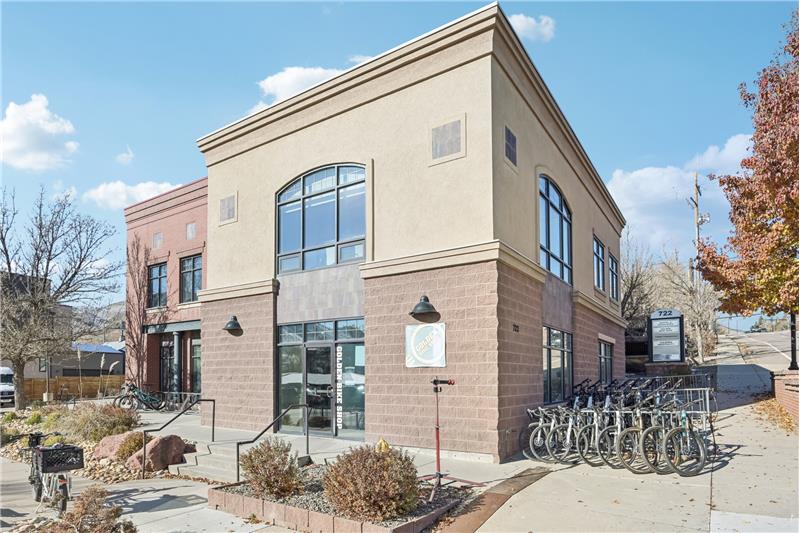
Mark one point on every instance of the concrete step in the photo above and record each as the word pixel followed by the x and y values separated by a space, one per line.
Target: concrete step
pixel 205 471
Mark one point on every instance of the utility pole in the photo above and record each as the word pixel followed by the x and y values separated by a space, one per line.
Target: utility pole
pixel 699 220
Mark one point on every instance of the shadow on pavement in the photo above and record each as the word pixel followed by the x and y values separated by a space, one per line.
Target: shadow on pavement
pixel 135 500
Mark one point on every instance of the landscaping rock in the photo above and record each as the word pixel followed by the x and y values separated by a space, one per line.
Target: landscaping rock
pixel 107 448
pixel 161 452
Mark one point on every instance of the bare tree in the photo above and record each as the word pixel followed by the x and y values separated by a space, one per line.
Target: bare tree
pixel 678 287
pixel 137 312
pixel 637 271
pixel 59 258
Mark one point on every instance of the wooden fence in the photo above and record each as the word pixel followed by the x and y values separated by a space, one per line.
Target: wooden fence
pixel 85 387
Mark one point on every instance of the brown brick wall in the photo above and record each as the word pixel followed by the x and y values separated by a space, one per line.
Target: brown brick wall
pixel 520 359
pixel 587 325
pixel 785 388
pixel 238 371
pixel 399 400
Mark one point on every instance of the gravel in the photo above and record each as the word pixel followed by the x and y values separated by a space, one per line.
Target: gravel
pixel 313 497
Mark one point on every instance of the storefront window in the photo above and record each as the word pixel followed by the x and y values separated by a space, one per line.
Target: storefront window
pixel 556 364
pixel 606 353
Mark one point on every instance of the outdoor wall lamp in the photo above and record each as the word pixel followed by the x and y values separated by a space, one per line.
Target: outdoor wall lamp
pixel 232 325
pixel 424 311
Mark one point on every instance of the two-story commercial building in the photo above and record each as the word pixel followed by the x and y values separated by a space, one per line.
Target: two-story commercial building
pixel 445 168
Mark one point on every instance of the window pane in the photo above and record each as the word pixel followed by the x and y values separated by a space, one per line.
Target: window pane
pixel 352 212
pixel 191 231
pixel 555 197
pixel 555 233
pixel 446 139
pixel 556 376
pixel 186 286
pixel 545 373
pixel 350 175
pixel 568 275
pixel 543 185
pixel 556 340
pixel 567 233
pixel 289 263
pixel 291 385
pixel 567 378
pixel 349 329
pixel 197 284
pixel 555 267
pixel 353 366
pixel 568 341
pixel 198 261
pixel 289 227
pixel 543 217
pixel 291 192
pixel 351 252
pixel 320 220
pixel 543 258
pixel 320 180
pixel 320 258
pixel 319 331
pixel 292 333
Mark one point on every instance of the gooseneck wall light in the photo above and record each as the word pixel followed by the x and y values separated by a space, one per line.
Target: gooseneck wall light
pixel 233 325
pixel 424 311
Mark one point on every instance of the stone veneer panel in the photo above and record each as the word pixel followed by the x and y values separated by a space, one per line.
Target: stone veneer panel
pixel 520 363
pixel 399 400
pixel 237 371
pixel 588 324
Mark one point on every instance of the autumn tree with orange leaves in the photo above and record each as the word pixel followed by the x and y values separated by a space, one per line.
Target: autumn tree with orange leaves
pixel 758 266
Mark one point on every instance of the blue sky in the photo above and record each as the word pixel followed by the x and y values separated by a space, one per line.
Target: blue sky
pixel 126 88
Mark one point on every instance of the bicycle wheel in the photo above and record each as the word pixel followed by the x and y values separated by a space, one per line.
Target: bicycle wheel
pixel 560 442
pixel 525 438
pixel 689 456
pixel 587 446
pixel 606 447
pixel 128 402
pixel 538 444
pixel 652 449
pixel 627 447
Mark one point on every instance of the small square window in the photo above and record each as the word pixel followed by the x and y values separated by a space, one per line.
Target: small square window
pixel 42 364
pixel 191 231
pixel 511 146
pixel 292 333
pixel 446 140
pixel 351 252
pixel 289 263
pixel 158 240
pixel 227 209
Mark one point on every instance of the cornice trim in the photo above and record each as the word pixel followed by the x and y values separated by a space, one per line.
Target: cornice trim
pixel 237 291
pixel 582 299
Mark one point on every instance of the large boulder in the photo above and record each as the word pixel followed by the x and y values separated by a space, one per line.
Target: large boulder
pixel 161 452
pixel 107 448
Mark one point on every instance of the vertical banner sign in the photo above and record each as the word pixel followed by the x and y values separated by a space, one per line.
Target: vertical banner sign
pixel 425 346
pixel 665 332
pixel 339 387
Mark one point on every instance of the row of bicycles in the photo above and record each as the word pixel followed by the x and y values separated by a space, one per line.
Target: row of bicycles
pixel 658 425
pixel 133 397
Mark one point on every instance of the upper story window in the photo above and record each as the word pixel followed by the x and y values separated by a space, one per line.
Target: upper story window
pixel 511 146
pixel 158 240
pixel 227 209
pixel 191 231
pixel 599 265
pixel 157 287
pixel 613 277
pixel 191 277
pixel 555 231
pixel 322 219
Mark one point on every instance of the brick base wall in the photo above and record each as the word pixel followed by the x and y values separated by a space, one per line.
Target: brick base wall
pixel 238 370
pixel 587 325
pixel 520 358
pixel 784 386
pixel 399 400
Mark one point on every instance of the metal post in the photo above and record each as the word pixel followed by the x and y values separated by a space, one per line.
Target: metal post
pixel 237 463
pixel 144 451
pixel 305 426
pixel 793 343
pixel 213 418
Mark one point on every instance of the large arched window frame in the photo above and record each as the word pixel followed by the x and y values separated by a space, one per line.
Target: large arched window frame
pixel 321 219
pixel 555 230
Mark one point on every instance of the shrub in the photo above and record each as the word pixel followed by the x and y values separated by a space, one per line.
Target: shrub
pixel 52 440
pixel 35 418
pixel 6 435
pixel 272 469
pixel 93 422
pixel 9 417
pixel 370 484
pixel 90 514
pixel 51 420
pixel 131 445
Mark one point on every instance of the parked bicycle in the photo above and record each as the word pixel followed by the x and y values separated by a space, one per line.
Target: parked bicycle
pixel 132 397
pixel 644 425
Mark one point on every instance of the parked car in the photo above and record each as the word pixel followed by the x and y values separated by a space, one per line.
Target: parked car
pixel 757 329
pixel 6 387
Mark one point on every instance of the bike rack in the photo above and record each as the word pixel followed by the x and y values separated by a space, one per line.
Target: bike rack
pixel 171 420
pixel 251 441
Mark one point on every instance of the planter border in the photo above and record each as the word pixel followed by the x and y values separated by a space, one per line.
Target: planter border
pixel 300 519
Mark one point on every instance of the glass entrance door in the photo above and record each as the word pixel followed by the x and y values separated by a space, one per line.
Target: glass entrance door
pixel 319 388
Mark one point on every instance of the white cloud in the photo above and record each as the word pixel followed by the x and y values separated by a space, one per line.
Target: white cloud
pixel 116 194
pixel 357 59
pixel 125 157
pixel 59 191
pixel 527 27
pixel 290 81
pixel 653 199
pixel 33 137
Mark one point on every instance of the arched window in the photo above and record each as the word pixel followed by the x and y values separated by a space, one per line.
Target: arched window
pixel 321 219
pixel 555 230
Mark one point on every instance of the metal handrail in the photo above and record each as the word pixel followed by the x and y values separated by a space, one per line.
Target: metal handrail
pixel 307 410
pixel 171 420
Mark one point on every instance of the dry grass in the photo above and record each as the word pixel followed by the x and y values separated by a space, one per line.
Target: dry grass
pixel 768 408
